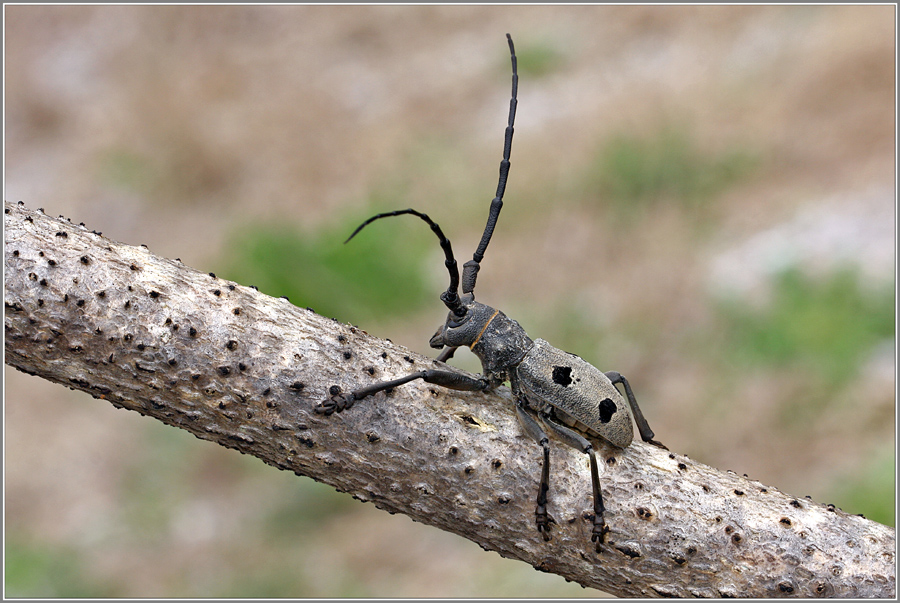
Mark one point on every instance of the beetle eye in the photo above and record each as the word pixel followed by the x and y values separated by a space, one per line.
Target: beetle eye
pixel 454 321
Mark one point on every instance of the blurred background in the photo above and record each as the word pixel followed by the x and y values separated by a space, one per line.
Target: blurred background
pixel 701 198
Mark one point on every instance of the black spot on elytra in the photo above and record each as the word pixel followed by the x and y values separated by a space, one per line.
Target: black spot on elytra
pixel 606 408
pixel 562 375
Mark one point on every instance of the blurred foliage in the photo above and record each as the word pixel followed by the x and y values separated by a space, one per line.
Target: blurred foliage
pixel 637 171
pixel 266 583
pixel 158 494
pixel 380 274
pixel 305 505
pixel 874 491
pixel 538 58
pixel 829 325
pixel 126 170
pixel 570 327
pixel 49 570
pixel 178 169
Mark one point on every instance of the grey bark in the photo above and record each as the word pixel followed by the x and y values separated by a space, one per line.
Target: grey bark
pixel 245 370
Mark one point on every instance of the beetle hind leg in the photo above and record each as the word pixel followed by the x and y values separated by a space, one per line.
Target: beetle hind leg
pixel 643 427
pixel 542 519
pixel 598 534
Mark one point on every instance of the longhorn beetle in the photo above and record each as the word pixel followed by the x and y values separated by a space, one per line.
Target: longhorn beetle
pixel 553 389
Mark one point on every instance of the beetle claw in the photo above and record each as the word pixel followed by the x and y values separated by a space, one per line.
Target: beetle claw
pixel 543 522
pixel 336 403
pixel 598 534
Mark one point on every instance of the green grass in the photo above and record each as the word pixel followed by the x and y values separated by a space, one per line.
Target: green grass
pixel 872 493
pixel 828 325
pixel 634 172
pixel 38 570
pixel 537 59
pixel 380 274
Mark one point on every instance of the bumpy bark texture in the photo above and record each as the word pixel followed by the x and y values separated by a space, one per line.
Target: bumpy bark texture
pixel 243 369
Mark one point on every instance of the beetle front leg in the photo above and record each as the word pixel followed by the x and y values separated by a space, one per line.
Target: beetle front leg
pixel 537 434
pixel 449 379
pixel 446 354
pixel 643 427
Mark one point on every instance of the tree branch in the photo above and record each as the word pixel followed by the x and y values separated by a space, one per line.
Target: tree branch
pixel 245 370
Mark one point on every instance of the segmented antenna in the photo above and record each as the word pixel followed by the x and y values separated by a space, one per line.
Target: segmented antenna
pixel 470 268
pixel 450 297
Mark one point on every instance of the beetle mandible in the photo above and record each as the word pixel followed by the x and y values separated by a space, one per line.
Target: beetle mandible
pixel 553 389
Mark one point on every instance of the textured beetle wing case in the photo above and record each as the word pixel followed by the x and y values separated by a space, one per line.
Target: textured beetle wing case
pixel 580 390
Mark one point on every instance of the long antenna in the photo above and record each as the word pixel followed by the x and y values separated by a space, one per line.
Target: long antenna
pixel 450 297
pixel 470 268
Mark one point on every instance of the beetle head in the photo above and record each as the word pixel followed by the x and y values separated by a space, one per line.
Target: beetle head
pixel 465 329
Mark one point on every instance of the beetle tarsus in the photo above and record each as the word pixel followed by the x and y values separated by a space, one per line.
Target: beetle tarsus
pixel 543 522
pixel 598 534
pixel 336 403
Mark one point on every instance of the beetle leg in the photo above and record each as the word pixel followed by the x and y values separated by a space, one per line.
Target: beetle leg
pixel 537 434
pixel 578 442
pixel 646 433
pixel 446 354
pixel 448 379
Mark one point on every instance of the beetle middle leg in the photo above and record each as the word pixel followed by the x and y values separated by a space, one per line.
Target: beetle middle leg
pixel 449 379
pixel 537 434
pixel 578 442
